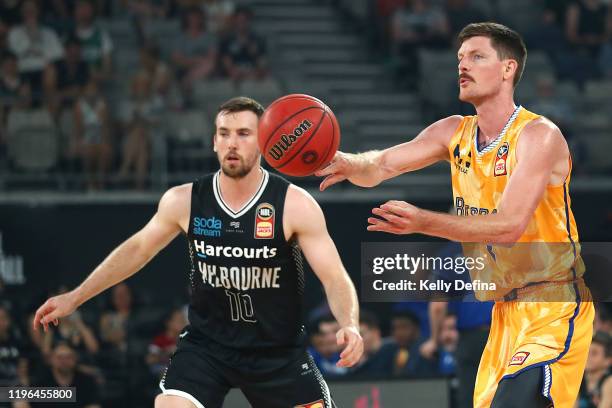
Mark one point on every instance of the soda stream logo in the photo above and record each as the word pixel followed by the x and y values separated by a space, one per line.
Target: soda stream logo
pixel 209 227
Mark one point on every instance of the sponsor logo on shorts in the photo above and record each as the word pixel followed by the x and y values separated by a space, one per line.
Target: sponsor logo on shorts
pixel 519 358
pixel 264 221
pixel 500 162
pixel 317 404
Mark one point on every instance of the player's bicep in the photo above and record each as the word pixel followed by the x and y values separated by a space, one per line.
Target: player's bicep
pixel 537 153
pixel 165 225
pixel 308 225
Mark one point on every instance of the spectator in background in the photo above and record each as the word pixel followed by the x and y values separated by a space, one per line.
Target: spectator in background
pixel 164 344
pixel 36 47
pixel 461 13
pixel 596 389
pixel 140 115
pixel 243 52
pixel 324 348
pixel 449 337
pixel 68 78
pixel 405 333
pixel 588 25
pixel 91 138
pixel 75 333
pixel 14 92
pixel 385 9
pixel 558 8
pixel 13 353
pixel 218 15
pixel 159 72
pixel 378 353
pixel 4 31
pixel 547 103
pixel 416 26
pixel 114 323
pixel 473 320
pixel 146 12
pixel 96 43
pixel 64 373
pixel 196 50
pixel 603 318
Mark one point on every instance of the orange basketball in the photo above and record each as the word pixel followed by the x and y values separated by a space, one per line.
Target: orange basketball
pixel 298 134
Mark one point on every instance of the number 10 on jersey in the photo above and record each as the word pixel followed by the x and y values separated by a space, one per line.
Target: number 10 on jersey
pixel 241 307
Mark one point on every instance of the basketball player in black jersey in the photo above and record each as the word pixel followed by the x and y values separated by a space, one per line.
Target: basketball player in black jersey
pixel 246 229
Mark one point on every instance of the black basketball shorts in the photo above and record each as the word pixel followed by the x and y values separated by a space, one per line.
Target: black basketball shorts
pixel 204 375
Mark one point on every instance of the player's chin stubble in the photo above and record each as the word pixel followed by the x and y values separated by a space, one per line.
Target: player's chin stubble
pixel 237 171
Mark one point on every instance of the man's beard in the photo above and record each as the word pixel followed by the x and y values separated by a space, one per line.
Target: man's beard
pixel 237 171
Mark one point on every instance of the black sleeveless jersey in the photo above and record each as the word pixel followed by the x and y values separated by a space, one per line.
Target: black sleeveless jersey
pixel 246 279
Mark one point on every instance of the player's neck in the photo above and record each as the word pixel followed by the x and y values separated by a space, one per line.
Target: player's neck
pixel 493 115
pixel 237 191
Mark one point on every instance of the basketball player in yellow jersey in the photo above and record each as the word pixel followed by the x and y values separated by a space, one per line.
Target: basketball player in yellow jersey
pixel 510 175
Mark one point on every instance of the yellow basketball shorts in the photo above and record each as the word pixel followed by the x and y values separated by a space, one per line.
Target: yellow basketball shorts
pixel 553 337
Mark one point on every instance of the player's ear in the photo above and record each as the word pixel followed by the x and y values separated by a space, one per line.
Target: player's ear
pixel 510 67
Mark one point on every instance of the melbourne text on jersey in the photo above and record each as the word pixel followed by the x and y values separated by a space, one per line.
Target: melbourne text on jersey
pixel 237 277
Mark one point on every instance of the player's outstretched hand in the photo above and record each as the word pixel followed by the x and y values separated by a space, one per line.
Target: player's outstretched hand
pixel 53 309
pixel 339 169
pixel 350 338
pixel 396 217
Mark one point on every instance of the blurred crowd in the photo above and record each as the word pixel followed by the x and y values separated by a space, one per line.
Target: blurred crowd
pixel 576 34
pixel 58 56
pixel 116 350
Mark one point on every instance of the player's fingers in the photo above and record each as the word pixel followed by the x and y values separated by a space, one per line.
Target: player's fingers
pixel 340 337
pixel 390 217
pixel 332 167
pixel 383 227
pixel 352 353
pixel 401 204
pixel 327 170
pixel 51 318
pixel 40 313
pixel 350 347
pixel 331 180
pixel 393 209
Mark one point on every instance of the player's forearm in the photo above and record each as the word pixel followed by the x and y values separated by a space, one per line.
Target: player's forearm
pixel 343 302
pixel 493 228
pixel 367 168
pixel 127 259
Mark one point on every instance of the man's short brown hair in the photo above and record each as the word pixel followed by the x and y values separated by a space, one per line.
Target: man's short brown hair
pixel 508 43
pixel 241 104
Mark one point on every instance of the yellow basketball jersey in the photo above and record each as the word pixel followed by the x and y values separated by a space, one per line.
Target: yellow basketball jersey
pixel 479 179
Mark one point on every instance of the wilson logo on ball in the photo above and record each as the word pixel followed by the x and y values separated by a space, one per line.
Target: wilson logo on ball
pixel 277 151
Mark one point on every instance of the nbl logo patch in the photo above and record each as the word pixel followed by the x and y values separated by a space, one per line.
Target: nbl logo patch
pixel 519 358
pixel 264 221
pixel 315 404
pixel 500 161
